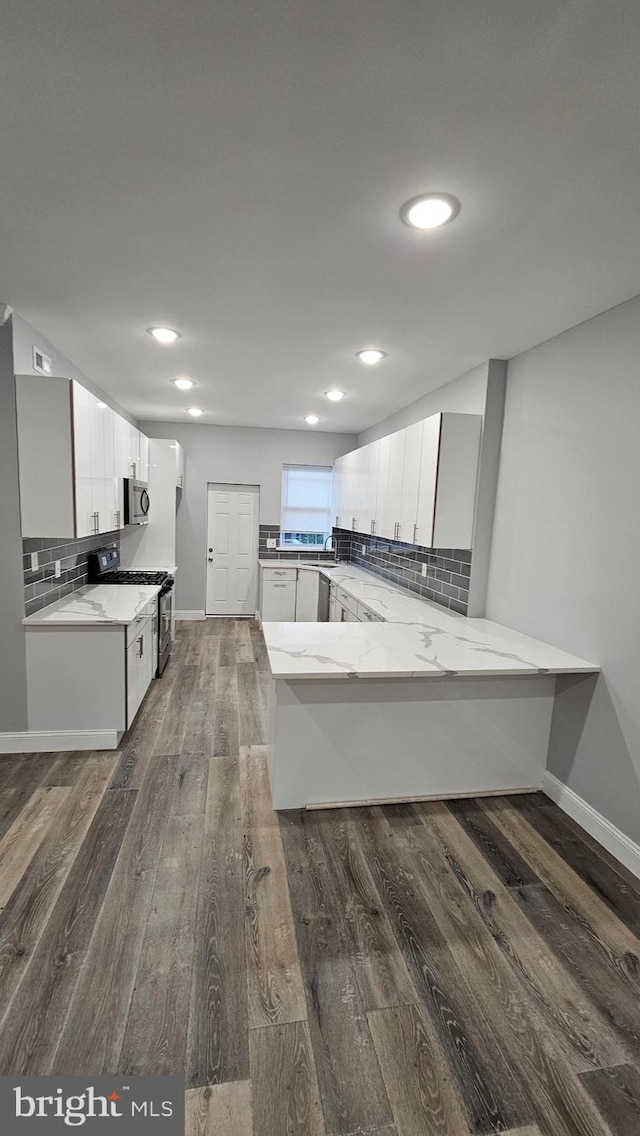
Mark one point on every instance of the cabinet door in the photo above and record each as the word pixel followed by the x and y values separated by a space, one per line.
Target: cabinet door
pixel 83 430
pixel 336 493
pixel 307 596
pixel 144 458
pixel 278 601
pixel 372 466
pixel 110 514
pixel 179 466
pixel 135 454
pixel 350 490
pixel 334 610
pixel 408 504
pixel 428 480
pixel 140 668
pixel 390 475
pixel 458 458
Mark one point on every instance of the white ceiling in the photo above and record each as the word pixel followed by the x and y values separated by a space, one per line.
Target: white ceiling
pixel 234 169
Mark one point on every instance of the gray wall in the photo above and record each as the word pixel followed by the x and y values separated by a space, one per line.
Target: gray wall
pixel 236 454
pixel 25 337
pixel 13 671
pixel 566 546
pixel 466 395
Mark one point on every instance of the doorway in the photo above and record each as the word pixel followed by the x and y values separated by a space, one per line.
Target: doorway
pixel 232 549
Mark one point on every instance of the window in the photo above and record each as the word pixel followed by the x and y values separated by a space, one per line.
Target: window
pixel 306 505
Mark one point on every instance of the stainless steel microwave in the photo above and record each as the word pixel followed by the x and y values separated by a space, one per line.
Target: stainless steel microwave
pixel 136 502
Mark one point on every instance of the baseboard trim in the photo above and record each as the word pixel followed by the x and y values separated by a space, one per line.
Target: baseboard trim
pixel 190 615
pixel 58 741
pixel 613 839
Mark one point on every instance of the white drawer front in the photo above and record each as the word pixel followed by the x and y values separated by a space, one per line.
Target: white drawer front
pixel 279 573
pixel 365 615
pixel 347 601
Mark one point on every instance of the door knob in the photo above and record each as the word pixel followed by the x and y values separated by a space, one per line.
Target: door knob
pixel 210 559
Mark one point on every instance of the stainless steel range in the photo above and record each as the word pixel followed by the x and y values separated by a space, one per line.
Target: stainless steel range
pixel 104 568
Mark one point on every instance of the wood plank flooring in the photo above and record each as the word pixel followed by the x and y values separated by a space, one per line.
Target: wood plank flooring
pixel 436 969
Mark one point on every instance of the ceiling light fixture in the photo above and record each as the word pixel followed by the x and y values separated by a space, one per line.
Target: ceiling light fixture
pixel 429 210
pixel 335 396
pixel 312 419
pixel 164 334
pixel 370 356
pixel 183 383
pixel 195 411
pixel 101 405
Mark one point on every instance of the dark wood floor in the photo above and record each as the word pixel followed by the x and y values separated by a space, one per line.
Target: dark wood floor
pixel 447 969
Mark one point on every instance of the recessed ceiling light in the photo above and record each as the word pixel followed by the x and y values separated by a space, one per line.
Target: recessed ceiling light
pixel 164 334
pixel 194 411
pixel 335 396
pixel 429 210
pixel 183 383
pixel 370 356
pixel 312 419
pixel 101 405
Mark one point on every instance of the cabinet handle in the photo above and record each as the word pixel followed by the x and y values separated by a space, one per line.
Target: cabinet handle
pixel 141 646
pixel 395 530
pixel 279 585
pixel 117 515
pixel 337 520
pixel 373 528
pixel 96 523
pixel 415 534
pixel 353 524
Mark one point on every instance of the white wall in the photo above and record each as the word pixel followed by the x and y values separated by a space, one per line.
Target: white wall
pixel 242 455
pixel 566 548
pixel 465 395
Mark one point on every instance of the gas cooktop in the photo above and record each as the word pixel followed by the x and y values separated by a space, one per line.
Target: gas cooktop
pixel 134 577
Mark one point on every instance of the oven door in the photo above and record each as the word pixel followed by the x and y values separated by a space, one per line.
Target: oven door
pixel 165 609
pixel 137 502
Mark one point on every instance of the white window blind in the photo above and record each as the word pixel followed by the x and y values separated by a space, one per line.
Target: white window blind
pixel 306 499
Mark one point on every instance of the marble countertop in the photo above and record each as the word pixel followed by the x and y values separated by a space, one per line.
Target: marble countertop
pixel 95 604
pixel 417 639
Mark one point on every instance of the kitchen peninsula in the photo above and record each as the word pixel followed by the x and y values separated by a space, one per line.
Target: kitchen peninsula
pixel 421 703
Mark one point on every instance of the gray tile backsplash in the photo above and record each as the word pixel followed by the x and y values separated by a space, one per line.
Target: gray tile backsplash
pixel 42 587
pixel 272 532
pixel 447 569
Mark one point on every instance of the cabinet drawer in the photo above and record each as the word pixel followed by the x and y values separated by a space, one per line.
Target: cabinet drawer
pixel 365 615
pixel 279 573
pixel 347 601
pixel 147 614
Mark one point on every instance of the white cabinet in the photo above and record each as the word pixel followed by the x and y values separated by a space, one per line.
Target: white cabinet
pixel 278 601
pixel 179 465
pixel 307 595
pixel 86 450
pixel 337 483
pixel 94 439
pixel 140 663
pixel 416 485
pixel 143 474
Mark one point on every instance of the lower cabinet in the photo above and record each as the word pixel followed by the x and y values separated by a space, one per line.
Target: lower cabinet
pixel 140 663
pixel 90 678
pixel 278 601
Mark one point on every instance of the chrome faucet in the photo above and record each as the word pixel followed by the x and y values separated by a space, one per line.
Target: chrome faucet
pixel 324 547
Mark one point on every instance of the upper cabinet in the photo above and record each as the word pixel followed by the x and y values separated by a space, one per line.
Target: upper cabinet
pixel 74 452
pixel 417 485
pixel 179 465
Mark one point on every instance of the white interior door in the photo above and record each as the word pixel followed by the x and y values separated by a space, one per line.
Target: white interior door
pixel 232 549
